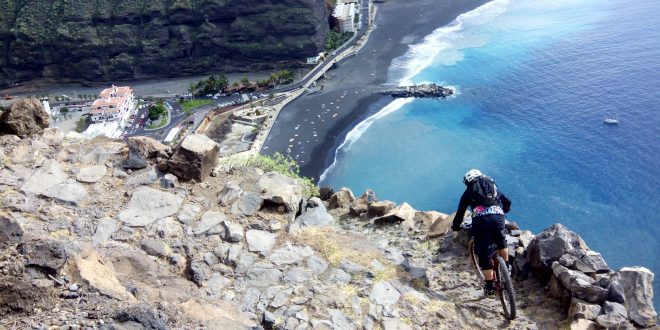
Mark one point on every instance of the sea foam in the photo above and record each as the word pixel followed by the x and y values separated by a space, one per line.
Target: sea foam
pixel 447 39
pixel 362 127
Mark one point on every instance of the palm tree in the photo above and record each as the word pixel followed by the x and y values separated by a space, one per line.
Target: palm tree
pixel 273 78
pixel 245 81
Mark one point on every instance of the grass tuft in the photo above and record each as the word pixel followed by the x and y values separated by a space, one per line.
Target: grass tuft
pixel 277 163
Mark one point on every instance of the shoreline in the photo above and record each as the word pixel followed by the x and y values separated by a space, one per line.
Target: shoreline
pixel 313 126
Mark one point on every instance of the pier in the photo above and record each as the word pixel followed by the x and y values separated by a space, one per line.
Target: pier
pixel 420 91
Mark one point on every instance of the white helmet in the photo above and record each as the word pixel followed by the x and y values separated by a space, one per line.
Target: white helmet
pixel 471 175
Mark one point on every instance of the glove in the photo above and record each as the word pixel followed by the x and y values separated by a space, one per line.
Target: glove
pixel 456 226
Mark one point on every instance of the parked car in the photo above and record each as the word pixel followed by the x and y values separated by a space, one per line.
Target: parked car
pixel 143 115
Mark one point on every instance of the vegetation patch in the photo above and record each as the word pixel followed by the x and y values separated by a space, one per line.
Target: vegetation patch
pixel 81 124
pixel 189 105
pixel 335 39
pixel 280 164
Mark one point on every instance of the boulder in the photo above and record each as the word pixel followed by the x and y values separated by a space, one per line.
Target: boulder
pixel 189 213
pixel 229 193
pixel 209 223
pixel 47 256
pixel 248 204
pixel 140 317
pixel 101 150
pixel 637 284
pixel 591 262
pixel 325 193
pixel 198 272
pixel 148 205
pixel 10 231
pixel 48 175
pixel 155 247
pixel 582 310
pixel 341 199
pixel 390 323
pixel 550 245
pixel 168 181
pixel 281 190
pixel 384 293
pixel 146 146
pixel 296 275
pixel 166 228
pixel 361 205
pixel 91 174
pixel 580 285
pixel 440 226
pixel 134 160
pixel 52 136
pixel 289 255
pixel 379 209
pixel 233 232
pixel 71 193
pixel 104 230
pixel 399 214
pixel 316 216
pixel 143 178
pixel 615 292
pixel 260 241
pixel 93 270
pixel 582 324
pixel 195 158
pixel 263 275
pixel 24 118
pixel 613 321
pixel 612 307
pixel 317 264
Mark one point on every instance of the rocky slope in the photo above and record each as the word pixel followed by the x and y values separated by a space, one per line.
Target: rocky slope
pixel 112 40
pixel 96 234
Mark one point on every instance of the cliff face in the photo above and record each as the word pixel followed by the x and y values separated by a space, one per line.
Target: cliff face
pixel 94 40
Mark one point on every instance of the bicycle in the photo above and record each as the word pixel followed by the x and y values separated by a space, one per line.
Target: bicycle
pixel 502 282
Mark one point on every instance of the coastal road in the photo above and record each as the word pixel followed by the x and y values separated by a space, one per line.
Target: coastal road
pixel 310 75
pixel 177 117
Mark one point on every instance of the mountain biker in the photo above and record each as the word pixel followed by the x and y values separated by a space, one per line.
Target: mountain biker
pixel 488 208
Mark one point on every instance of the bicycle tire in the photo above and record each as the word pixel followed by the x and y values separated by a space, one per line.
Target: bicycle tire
pixel 475 261
pixel 505 292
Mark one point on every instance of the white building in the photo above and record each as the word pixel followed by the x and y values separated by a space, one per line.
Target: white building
pixel 114 104
pixel 344 17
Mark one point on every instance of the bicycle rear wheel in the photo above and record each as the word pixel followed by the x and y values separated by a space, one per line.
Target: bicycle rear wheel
pixel 505 290
pixel 474 260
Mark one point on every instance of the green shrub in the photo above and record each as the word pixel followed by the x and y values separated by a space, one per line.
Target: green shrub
pixel 280 164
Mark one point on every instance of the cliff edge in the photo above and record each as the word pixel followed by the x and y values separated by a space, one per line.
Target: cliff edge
pixel 99 234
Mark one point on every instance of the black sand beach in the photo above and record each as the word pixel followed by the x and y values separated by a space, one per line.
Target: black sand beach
pixel 310 128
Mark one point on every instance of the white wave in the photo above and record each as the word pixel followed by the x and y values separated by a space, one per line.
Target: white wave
pixel 424 54
pixel 421 56
pixel 362 127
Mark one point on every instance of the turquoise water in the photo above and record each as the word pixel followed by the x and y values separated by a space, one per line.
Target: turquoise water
pixel 534 81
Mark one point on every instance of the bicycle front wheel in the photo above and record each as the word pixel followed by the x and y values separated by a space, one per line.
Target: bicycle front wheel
pixel 475 261
pixel 505 291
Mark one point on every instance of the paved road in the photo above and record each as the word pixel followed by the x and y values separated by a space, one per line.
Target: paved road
pixel 363 29
pixel 177 117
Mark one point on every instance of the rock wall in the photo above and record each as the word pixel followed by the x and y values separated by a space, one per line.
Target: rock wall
pixel 105 40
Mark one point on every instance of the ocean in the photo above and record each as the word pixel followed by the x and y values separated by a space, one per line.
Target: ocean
pixel 534 80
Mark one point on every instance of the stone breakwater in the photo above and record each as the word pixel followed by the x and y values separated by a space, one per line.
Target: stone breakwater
pixel 420 91
pixel 106 234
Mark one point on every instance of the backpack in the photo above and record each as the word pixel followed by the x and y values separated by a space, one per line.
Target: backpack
pixel 484 191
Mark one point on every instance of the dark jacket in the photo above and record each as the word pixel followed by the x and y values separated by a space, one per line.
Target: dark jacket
pixel 467 199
